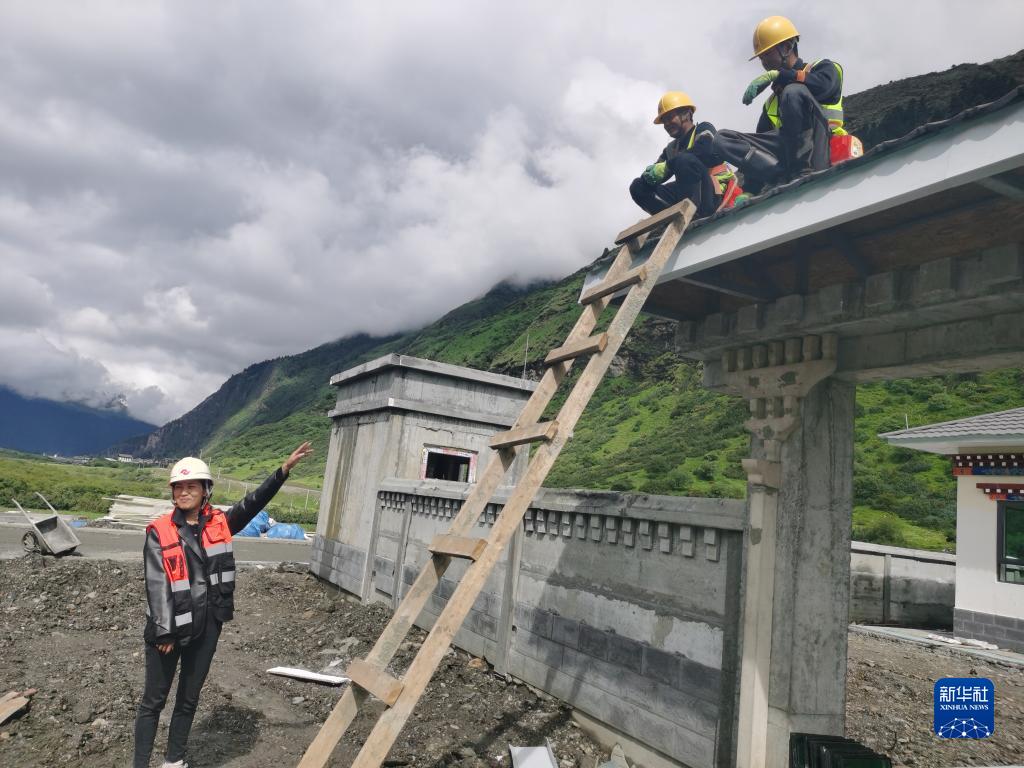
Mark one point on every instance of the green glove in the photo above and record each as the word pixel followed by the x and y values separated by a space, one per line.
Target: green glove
pixel 655 174
pixel 758 84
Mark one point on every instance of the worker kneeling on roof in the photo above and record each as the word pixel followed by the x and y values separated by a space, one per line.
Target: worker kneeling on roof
pixel 800 115
pixel 688 168
pixel 190 584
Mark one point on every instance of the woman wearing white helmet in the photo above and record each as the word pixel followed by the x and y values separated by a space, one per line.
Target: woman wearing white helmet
pixel 190 584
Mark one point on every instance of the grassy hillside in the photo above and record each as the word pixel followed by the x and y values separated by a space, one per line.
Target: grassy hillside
pixel 651 427
pixel 85 490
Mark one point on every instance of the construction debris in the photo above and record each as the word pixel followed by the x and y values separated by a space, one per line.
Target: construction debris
pixel 13 702
pixel 305 674
pixel 140 511
pixel 533 757
pixel 617 759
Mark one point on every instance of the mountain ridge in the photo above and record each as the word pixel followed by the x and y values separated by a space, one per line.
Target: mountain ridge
pixel 39 425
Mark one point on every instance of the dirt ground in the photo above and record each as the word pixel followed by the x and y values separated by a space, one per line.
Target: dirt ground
pixel 72 629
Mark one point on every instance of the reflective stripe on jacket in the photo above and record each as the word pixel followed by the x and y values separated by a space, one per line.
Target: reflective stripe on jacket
pixel 833 112
pixel 218 557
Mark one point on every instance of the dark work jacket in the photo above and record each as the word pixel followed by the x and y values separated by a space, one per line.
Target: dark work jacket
pixel 701 149
pixel 205 600
pixel 822 81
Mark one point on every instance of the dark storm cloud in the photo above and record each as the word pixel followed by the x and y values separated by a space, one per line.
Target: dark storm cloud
pixel 187 188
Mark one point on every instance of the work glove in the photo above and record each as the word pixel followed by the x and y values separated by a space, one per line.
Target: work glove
pixel 655 174
pixel 758 84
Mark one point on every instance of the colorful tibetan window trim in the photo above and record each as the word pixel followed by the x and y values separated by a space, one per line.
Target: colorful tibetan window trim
pixel 988 464
pixel 1002 491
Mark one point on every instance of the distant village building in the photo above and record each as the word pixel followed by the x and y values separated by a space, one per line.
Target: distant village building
pixel 125 458
pixel 987 457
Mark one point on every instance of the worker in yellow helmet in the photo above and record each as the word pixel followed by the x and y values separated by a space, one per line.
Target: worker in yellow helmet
pixel 797 119
pixel 687 168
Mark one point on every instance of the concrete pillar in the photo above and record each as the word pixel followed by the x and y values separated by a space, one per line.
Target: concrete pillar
pixel 797 566
pixel 807 682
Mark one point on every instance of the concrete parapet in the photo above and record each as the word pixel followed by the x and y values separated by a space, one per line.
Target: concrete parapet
pixel 943 315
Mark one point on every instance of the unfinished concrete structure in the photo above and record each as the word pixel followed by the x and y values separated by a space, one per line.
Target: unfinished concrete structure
pixel 401 417
pixel 906 263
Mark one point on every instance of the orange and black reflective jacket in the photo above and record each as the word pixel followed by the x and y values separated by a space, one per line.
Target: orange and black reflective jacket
pixel 190 577
pixel 218 557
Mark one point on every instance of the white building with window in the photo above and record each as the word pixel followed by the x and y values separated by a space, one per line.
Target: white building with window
pixel 987 459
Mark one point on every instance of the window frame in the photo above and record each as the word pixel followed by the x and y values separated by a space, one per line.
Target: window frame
pixel 448 451
pixel 1001 559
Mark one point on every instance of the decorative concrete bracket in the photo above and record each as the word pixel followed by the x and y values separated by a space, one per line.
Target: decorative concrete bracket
pixel 773 378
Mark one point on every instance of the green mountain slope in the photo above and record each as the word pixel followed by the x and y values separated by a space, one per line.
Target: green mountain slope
pixel 651 426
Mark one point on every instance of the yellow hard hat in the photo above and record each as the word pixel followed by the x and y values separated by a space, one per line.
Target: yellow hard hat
pixel 673 100
pixel 770 32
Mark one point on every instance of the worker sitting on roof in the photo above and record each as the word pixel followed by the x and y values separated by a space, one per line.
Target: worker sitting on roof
pixel 700 175
pixel 804 109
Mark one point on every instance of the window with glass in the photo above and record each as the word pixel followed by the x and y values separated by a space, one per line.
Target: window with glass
pixel 1010 542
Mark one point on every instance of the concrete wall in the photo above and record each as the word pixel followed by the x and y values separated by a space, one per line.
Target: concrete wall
pixel 624 606
pixel 986 608
pixel 906 587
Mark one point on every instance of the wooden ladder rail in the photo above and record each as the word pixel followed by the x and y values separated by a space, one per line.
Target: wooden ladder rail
pixel 416 678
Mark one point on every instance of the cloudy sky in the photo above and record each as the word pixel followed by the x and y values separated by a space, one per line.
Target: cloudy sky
pixel 190 187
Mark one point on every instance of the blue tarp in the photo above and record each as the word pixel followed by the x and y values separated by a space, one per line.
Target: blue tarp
pixel 257 525
pixel 286 531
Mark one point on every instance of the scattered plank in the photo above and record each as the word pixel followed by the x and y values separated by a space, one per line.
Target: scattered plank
pixel 305 674
pixel 13 702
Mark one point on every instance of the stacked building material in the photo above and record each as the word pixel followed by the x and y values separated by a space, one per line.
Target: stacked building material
pixel 138 511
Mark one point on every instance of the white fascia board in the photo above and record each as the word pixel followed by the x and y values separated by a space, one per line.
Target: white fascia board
pixel 960 154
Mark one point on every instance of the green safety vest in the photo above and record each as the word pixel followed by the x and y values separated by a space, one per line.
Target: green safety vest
pixel 720 173
pixel 833 112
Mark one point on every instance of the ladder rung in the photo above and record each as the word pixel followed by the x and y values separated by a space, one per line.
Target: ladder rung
pixel 457 546
pixel 375 681
pixel 652 222
pixel 545 430
pixel 601 290
pixel 577 349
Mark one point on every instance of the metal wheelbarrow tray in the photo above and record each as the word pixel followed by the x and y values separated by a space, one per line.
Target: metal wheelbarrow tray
pixel 50 535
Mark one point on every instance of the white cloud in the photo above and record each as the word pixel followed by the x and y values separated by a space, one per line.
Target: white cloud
pixel 187 188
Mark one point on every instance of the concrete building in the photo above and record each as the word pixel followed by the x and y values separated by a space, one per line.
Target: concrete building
pixel 404 418
pixel 987 458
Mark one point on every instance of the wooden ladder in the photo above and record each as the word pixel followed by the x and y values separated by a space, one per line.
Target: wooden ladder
pixel 369 675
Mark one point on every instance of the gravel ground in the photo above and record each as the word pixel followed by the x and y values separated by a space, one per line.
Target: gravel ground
pixel 889 702
pixel 72 629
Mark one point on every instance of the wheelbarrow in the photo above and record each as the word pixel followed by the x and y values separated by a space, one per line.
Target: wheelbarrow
pixel 50 535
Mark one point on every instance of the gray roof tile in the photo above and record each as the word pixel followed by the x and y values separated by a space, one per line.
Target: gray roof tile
pixel 1001 423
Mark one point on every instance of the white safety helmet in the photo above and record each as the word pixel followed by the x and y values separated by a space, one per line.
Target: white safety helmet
pixel 191 468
